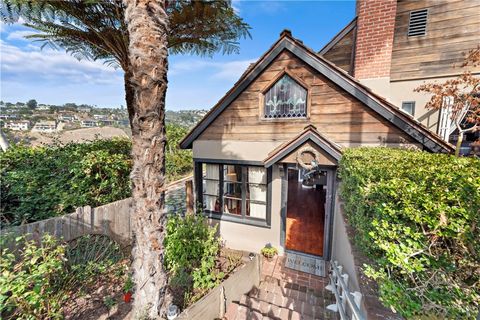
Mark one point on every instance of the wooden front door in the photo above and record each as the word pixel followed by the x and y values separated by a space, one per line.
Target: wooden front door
pixel 305 214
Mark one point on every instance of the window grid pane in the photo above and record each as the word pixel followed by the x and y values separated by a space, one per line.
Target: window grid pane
pixel 286 99
pixel 235 190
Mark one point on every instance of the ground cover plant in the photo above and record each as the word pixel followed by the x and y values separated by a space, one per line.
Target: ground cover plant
pixel 56 280
pixel 416 215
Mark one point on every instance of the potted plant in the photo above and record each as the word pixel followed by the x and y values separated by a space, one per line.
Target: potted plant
pixel 269 252
pixel 127 289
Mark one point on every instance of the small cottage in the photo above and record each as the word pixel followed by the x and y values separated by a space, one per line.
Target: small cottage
pixel 266 154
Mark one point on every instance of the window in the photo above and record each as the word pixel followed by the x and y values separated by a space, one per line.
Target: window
pixel 409 107
pixel 285 99
pixel 236 192
pixel 417 25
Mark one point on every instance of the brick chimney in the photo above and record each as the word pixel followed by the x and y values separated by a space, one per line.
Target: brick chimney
pixel 375 29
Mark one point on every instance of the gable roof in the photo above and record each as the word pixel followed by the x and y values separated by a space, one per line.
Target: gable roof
pixel 339 36
pixel 309 134
pixel 381 106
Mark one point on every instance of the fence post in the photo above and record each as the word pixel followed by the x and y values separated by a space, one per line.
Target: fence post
pixel 189 196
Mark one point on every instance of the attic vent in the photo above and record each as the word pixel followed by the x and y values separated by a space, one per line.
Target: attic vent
pixel 417 26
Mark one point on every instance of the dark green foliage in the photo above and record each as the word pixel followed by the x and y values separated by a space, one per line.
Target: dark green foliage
pixel 29 286
pixel 178 162
pixel 42 182
pixel 191 249
pixel 417 215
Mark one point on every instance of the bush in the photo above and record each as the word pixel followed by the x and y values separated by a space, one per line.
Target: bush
pixel 29 288
pixel 191 249
pixel 417 216
pixel 42 182
pixel 36 281
pixel 38 183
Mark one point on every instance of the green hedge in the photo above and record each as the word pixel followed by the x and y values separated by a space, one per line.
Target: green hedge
pixel 417 216
pixel 42 182
pixel 38 183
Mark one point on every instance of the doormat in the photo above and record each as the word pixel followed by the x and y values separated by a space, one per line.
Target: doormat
pixel 305 263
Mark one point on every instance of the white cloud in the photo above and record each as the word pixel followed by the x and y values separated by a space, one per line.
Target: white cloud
pixel 50 64
pixel 229 70
pixel 19 35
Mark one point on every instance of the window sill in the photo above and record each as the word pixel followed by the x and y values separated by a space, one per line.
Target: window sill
pixel 231 218
pixel 298 119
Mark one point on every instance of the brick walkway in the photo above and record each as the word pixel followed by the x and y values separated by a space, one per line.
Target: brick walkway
pixel 284 294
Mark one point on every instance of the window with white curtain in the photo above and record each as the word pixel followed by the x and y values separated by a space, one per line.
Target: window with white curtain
pixel 236 191
pixel 211 189
pixel 256 194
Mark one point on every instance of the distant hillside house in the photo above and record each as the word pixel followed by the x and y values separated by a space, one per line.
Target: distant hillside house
pixel 88 123
pixel 66 117
pixel 43 107
pixel 23 125
pixel 266 155
pixel 45 127
pixel 84 109
pixel 100 116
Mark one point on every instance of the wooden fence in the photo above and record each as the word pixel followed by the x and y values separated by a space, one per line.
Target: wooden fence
pixel 112 219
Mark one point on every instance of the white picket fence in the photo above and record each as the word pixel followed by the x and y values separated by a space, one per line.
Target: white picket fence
pixel 348 303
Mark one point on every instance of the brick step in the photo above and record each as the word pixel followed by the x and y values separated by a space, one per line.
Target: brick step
pixel 276 303
pixel 290 290
pixel 292 285
pixel 236 311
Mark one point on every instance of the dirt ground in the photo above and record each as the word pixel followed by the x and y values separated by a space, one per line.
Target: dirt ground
pixel 77 135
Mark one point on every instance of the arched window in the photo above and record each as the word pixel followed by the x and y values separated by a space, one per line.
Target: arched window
pixel 285 99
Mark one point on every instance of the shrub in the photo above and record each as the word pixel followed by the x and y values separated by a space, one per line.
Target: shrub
pixel 36 281
pixel 42 182
pixel 191 249
pixel 417 216
pixel 29 287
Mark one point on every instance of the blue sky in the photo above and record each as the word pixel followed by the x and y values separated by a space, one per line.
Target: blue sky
pixel 50 76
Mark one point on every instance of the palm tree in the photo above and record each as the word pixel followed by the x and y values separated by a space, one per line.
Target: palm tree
pixel 96 30
pixel 147 23
pixel 137 35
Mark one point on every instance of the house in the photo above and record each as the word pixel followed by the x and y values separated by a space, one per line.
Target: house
pixel 45 126
pixel 66 117
pixel 88 123
pixel 395 46
pixel 100 117
pixel 266 155
pixel 23 125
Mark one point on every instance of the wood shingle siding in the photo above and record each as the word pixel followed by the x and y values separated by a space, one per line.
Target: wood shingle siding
pixel 453 28
pixel 334 112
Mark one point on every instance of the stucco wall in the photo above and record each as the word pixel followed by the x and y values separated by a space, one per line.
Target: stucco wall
pixel 233 150
pixel 341 247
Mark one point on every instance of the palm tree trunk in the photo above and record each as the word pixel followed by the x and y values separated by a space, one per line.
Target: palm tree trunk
pixel 147 24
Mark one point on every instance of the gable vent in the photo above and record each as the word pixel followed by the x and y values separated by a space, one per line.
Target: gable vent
pixel 417 25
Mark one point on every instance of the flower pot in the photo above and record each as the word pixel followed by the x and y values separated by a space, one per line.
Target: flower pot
pixel 127 297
